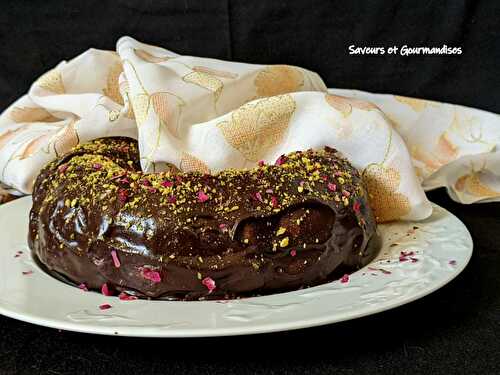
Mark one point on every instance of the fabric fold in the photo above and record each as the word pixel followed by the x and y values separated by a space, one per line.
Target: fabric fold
pixel 207 115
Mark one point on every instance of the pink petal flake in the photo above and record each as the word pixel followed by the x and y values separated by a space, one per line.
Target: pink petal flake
pixel 332 187
pixel 280 160
pixel 104 306
pixel 261 163
pixel 123 195
pixel 346 194
pixel 62 168
pixel 25 273
pixel 258 196
pixel 126 297
pixel 97 166
pixel 167 184
pixel 105 290
pixel 172 199
pixel 407 253
pixel 269 191
pixel 209 283
pixel 344 279
pixel 124 180
pixel 293 252
pixel 274 201
pixel 116 261
pixel 151 275
pixel 202 197
pixel 452 262
pixel 356 207
pixel 83 287
pixel 145 183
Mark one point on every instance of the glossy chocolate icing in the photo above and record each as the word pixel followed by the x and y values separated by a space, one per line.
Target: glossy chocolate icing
pixel 97 219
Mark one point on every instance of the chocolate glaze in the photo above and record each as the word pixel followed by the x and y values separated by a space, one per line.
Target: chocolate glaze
pixel 251 232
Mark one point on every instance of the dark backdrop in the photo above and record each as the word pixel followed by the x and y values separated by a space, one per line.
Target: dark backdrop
pixel 454 330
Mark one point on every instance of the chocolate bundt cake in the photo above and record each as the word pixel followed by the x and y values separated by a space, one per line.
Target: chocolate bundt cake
pixel 101 223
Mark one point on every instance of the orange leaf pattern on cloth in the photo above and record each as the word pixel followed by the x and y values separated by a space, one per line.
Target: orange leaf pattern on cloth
pixel 168 107
pixel 277 80
pixel 34 146
pixel 66 139
pixel 471 184
pixel 258 126
pixel 206 81
pixel 51 81
pixel 345 105
pixel 7 136
pixel 29 114
pixel 386 201
pixel 417 105
pixel 140 105
pixel 112 89
pixel 146 56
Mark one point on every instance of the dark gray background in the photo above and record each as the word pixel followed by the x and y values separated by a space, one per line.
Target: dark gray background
pixel 454 330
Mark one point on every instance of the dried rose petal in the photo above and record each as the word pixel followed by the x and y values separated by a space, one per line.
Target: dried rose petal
pixel 126 297
pixel 105 290
pixel 62 168
pixel 209 283
pixel 261 163
pixel 172 199
pixel 152 190
pixel 293 252
pixel 116 261
pixel 104 306
pixel 124 180
pixel 274 201
pixel 346 194
pixel 145 182
pixel 414 260
pixel 222 226
pixel 258 196
pixel 356 207
pixel 27 272
pixel 407 253
pixel 151 275
pixel 167 184
pixel 332 187
pixel 344 279
pixel 280 160
pixel 202 197
pixel 269 191
pixel 83 287
pixel 123 195
pixel 97 166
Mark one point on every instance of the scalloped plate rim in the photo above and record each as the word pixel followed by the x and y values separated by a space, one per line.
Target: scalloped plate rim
pixel 21 207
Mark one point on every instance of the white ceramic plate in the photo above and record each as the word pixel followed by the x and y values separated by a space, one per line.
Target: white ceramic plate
pixel 442 247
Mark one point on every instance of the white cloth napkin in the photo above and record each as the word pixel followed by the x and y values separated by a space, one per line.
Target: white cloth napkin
pixel 208 115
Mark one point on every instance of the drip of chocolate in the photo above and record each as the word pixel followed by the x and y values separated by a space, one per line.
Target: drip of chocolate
pixel 97 219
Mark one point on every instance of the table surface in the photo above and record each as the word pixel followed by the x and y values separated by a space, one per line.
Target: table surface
pixel 454 330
